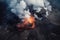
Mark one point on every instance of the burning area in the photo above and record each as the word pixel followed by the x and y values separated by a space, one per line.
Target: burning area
pixel 27 23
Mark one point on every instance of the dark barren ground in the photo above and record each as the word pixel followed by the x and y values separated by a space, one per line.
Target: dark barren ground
pixel 44 29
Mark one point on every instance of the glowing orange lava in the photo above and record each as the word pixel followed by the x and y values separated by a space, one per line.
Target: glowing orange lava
pixel 27 21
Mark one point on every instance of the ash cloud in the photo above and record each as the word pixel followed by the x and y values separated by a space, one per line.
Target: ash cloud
pixel 19 7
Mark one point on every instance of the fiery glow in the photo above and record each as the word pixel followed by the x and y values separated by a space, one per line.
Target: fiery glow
pixel 26 23
pixel 30 20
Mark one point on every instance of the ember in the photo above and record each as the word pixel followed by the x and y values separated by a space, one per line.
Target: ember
pixel 28 23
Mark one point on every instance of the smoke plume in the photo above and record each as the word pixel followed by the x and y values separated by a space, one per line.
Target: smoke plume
pixel 19 7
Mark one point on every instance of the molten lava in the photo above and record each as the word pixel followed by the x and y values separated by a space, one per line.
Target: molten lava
pixel 28 23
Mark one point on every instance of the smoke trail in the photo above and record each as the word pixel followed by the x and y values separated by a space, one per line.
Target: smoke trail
pixel 18 7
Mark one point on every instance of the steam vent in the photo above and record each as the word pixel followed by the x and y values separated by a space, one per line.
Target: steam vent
pixel 29 19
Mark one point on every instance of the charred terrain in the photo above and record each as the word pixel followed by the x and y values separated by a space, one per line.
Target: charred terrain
pixel 45 29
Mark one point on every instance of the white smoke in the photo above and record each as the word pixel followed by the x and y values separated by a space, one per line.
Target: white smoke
pixel 35 2
pixel 18 7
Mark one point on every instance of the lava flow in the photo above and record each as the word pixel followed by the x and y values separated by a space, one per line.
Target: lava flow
pixel 28 23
